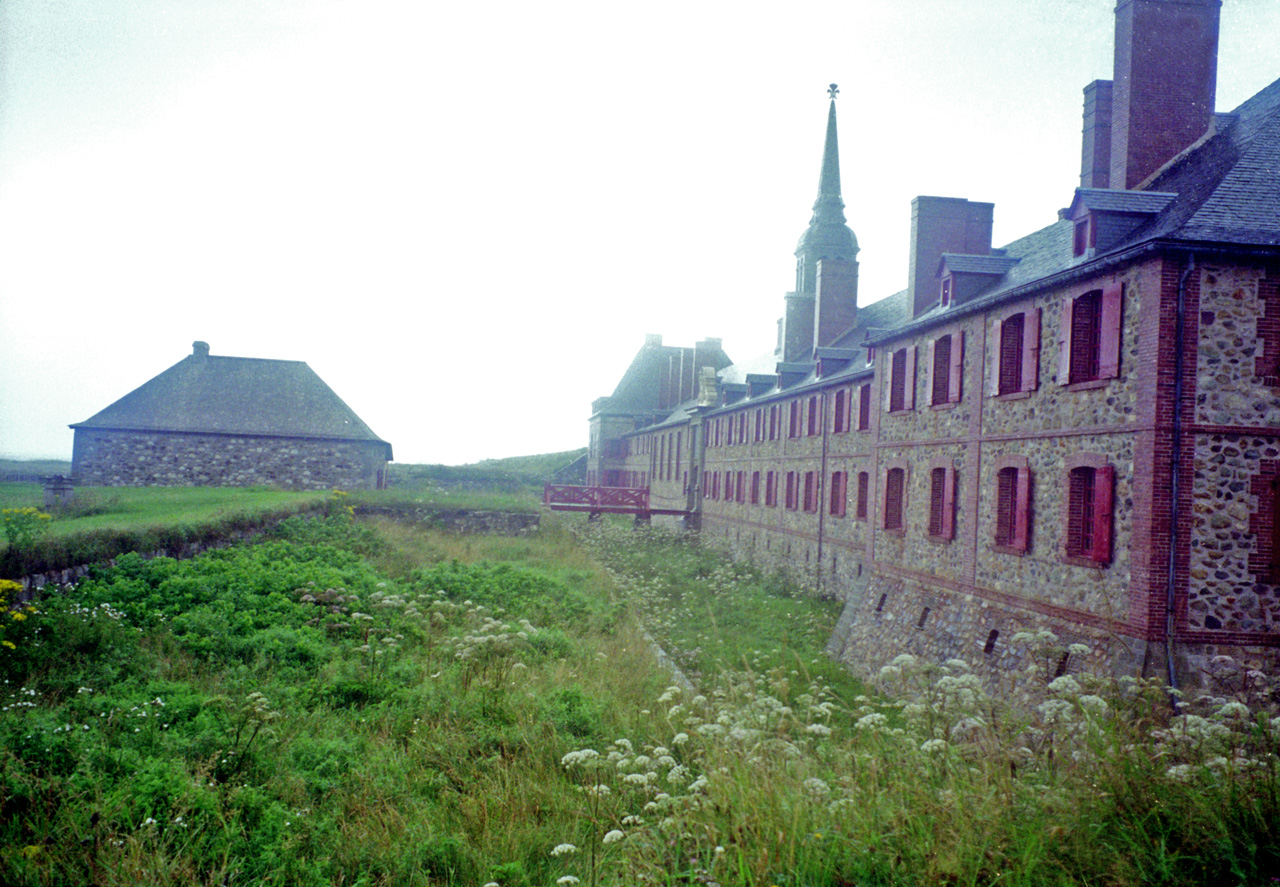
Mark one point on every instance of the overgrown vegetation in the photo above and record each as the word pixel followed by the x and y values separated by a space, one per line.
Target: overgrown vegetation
pixel 375 703
pixel 100 523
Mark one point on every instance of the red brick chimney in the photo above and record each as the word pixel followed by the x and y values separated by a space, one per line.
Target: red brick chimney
pixel 943 225
pixel 1166 65
pixel 1095 157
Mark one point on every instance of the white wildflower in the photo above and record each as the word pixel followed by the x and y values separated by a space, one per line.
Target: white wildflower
pixel 1093 704
pixel 564 850
pixel 872 721
pixel 1066 685
pixel 579 757
pixel 1234 710
pixel 816 787
pixel 613 836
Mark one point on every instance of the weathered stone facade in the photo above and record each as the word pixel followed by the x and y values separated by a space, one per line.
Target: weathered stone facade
pixel 142 459
pixel 1078 432
pixel 230 421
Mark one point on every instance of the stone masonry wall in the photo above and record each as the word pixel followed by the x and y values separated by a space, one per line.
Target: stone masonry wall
pixel 1237 447
pixel 135 459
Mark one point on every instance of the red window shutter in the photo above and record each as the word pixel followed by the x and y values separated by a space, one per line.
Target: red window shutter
pixel 1064 341
pixel 1104 483
pixel 937 488
pixel 893 499
pixel 864 483
pixel 864 407
pixel 957 367
pixel 886 381
pixel 1109 348
pixel 1006 505
pixel 1274 489
pixel 993 355
pixel 1030 350
pixel 949 504
pixel 935 378
pixel 1022 513
pixel 909 380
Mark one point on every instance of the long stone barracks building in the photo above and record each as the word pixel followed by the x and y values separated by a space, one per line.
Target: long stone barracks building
pixel 230 421
pixel 1078 431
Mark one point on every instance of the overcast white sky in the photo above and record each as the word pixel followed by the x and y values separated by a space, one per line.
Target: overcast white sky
pixel 466 216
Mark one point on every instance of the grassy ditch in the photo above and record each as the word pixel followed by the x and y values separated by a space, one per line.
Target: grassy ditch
pixel 373 703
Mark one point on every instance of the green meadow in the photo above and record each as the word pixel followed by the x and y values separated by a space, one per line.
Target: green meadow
pixel 372 701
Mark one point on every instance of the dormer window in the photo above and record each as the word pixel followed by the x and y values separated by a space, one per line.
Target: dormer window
pixel 948 283
pixel 1084 238
pixel 1104 218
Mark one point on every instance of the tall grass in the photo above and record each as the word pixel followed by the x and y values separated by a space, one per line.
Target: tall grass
pixel 374 703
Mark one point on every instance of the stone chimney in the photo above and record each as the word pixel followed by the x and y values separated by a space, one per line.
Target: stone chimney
pixel 943 225
pixel 1166 62
pixel 837 302
pixel 797 326
pixel 707 386
pixel 1095 156
pixel 199 350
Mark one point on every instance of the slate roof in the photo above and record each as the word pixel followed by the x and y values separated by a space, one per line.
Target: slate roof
pixel 638 389
pixel 888 313
pixel 1116 201
pixel 1229 186
pixel 962 264
pixel 206 394
pixel 1225 189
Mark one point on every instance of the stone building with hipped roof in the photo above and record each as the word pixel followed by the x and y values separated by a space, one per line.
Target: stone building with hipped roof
pixel 230 421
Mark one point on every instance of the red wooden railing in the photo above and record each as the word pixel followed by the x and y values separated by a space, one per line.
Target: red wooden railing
pixel 614 500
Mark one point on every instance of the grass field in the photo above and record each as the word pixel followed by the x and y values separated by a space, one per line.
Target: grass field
pixel 100 522
pixel 373 702
pixel 130 508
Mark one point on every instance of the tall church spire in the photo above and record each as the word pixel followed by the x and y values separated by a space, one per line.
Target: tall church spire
pixel 828 235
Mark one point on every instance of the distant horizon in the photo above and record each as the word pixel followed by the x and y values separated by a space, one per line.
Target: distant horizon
pixel 8 458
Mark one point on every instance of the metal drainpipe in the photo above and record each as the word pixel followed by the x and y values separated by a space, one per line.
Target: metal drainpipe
pixel 1175 477
pixel 821 486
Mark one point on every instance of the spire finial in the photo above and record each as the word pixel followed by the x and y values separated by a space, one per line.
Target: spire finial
pixel 833 91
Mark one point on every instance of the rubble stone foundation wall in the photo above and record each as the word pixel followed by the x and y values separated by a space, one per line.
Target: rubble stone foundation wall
pixel 161 459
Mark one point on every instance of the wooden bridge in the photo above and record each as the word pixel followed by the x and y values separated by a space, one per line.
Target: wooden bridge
pixel 602 500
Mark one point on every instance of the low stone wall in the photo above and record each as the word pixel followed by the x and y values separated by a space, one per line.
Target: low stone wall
pixel 460 520
pixel 34 584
